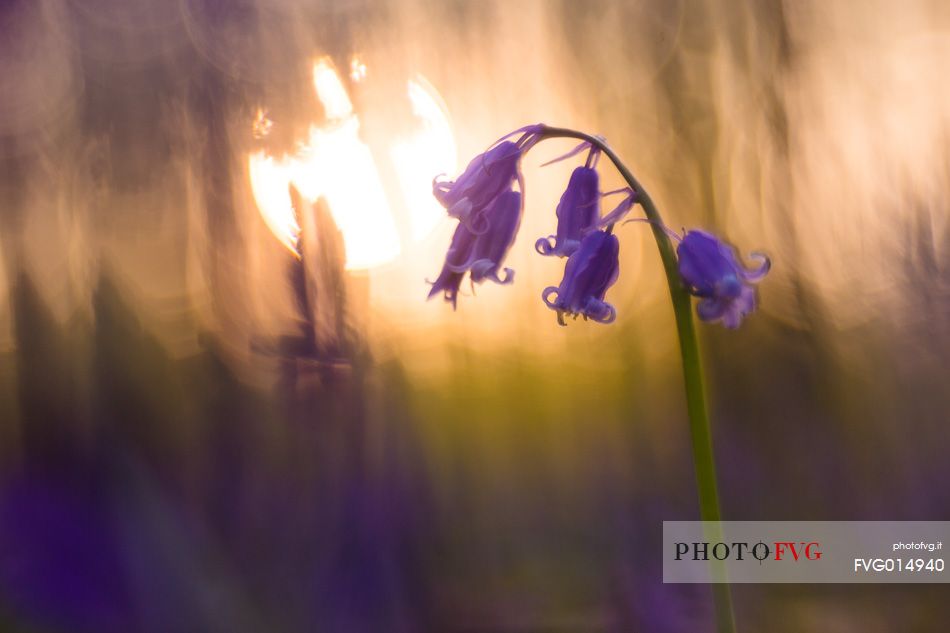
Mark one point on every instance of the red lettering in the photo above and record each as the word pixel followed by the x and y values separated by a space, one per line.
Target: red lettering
pixel 780 547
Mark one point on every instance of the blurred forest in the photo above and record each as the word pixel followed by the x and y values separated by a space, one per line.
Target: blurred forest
pixel 200 433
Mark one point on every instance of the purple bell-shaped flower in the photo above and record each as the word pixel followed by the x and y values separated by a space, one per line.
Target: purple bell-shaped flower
pixel 487 176
pixel 457 260
pixel 590 271
pixel 711 271
pixel 481 254
pixel 491 247
pixel 577 213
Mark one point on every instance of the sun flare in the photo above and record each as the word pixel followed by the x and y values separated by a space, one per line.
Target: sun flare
pixel 334 163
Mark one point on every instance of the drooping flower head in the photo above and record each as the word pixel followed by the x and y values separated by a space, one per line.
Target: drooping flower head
pixel 503 218
pixel 590 271
pixel 487 176
pixel 457 260
pixel 711 270
pixel 578 211
pixel 481 254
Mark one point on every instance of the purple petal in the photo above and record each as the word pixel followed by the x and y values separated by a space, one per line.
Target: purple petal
pixel 459 255
pixel 711 309
pixel 491 247
pixel 486 176
pixel 448 283
pixel 600 311
pixel 703 262
pixel 739 308
pixel 577 210
pixel 730 311
pixel 589 272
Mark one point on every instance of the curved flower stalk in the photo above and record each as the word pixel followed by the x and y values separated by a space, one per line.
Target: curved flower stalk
pixel 702 265
pixel 590 271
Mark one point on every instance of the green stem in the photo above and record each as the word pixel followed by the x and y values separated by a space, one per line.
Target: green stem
pixel 699 427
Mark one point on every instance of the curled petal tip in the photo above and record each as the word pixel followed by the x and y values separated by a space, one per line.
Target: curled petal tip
pixel 546 293
pixel 509 277
pixel 599 311
pixel 756 275
pixel 544 246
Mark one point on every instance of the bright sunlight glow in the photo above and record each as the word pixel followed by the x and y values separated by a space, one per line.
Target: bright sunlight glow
pixel 334 163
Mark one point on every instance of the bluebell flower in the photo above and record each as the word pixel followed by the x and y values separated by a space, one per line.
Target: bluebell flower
pixel 486 177
pixel 481 254
pixel 457 260
pixel 710 270
pixel 577 213
pixel 590 271
pixel 503 218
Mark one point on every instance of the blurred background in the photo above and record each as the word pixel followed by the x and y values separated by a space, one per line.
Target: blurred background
pixel 228 407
